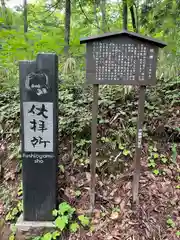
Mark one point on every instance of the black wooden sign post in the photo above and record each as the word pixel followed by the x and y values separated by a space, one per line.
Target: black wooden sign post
pixel 39 128
pixel 124 58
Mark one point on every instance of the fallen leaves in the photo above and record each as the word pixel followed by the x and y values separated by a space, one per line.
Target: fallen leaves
pixel 88 176
pixel 117 200
pixel 1 208
pixel 114 215
pixel 10 175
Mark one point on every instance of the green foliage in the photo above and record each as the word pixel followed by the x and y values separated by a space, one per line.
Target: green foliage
pixel 55 234
pixel 9 117
pixel 156 171
pixel 84 220
pixel 12 237
pixel 78 193
pixel 126 152
pixel 46 34
pixel 65 208
pixel 174 152
pixel 65 218
pixel 15 212
pixel 170 89
pixel 61 167
pixel 155 158
pixel 170 223
pixel 156 155
pixel 46 29
pixel 20 190
pixel 13 233
pixel 47 236
pixel 152 163
pixel 61 222
pixel 74 227
pixel 163 159
pixel 74 113
pixel 121 147
pixel 116 209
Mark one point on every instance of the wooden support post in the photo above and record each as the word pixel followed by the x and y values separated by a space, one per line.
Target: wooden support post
pixel 94 145
pixel 136 176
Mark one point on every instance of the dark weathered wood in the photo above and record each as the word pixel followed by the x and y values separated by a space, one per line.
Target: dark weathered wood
pixel 67 25
pixel 134 24
pixel 3 157
pixel 103 13
pixel 136 176
pixel 121 60
pixel 125 15
pixel 124 58
pixel 39 123
pixel 25 16
pixel 133 35
pixel 93 144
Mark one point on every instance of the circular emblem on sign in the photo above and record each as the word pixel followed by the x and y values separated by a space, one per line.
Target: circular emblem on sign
pixel 37 82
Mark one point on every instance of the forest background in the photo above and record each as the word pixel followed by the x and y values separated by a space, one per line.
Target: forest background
pixel 57 26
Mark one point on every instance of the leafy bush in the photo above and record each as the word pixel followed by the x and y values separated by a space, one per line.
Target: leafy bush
pixel 65 219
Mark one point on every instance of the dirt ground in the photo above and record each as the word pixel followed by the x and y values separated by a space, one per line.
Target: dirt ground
pixel 159 199
pixel 114 217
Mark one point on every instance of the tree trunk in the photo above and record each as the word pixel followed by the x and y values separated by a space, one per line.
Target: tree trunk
pixel 125 14
pixel 3 5
pixel 4 13
pixel 103 12
pixel 133 18
pixel 137 16
pixel 95 14
pixel 25 16
pixel 67 26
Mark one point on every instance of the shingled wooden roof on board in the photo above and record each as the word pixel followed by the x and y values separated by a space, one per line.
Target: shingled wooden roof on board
pixel 127 33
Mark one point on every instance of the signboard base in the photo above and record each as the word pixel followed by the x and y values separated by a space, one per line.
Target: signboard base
pixel 26 226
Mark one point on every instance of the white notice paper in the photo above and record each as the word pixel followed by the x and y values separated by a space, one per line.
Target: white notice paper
pixel 38 126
